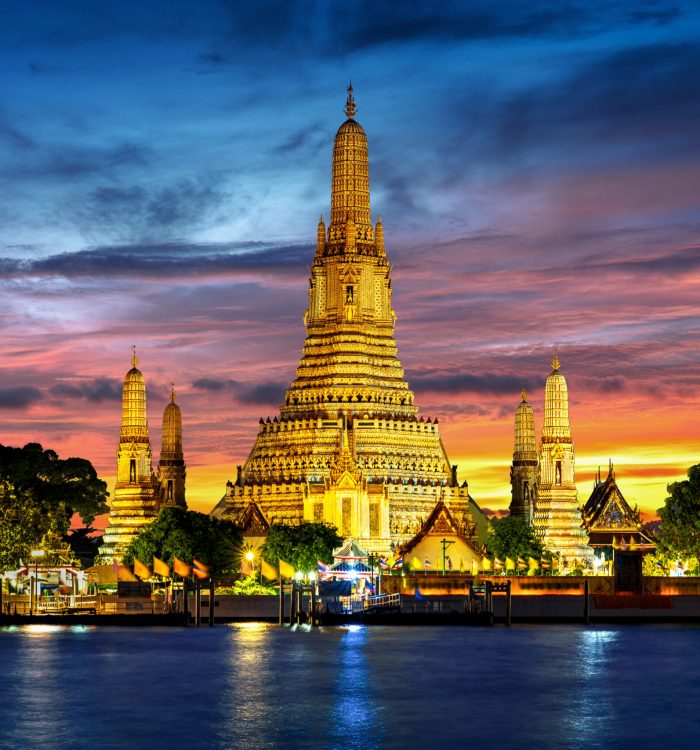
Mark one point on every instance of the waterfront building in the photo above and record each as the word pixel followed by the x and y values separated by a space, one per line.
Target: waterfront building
pixel 557 519
pixel 441 544
pixel 139 493
pixel 348 446
pixel 610 521
pixel 525 467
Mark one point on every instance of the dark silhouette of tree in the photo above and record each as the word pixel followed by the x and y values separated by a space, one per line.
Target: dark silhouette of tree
pixel 678 536
pixel 186 534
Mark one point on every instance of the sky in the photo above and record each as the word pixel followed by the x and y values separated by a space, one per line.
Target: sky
pixel 536 166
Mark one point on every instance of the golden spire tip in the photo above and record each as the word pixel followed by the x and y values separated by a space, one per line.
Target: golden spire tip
pixel 350 108
pixel 134 358
pixel 555 361
pixel 523 394
pixel 172 392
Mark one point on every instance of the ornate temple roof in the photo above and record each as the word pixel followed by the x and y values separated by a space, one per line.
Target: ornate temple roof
pixel 441 521
pixel 607 515
pixel 134 426
pixel 349 551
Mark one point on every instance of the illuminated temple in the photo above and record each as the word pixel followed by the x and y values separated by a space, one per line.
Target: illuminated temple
pixel 557 517
pixel 348 446
pixel 140 493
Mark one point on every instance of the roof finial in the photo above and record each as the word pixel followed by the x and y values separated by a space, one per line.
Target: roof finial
pixel 350 108
pixel 172 392
pixel 523 393
pixel 134 358
pixel 555 361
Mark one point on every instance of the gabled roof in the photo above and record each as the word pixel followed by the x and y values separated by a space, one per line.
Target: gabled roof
pixel 607 513
pixel 349 551
pixel 440 522
pixel 254 521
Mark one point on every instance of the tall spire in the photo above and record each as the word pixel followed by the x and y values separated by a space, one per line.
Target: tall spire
pixel 350 108
pixel 171 465
pixel 350 183
pixel 523 471
pixel 556 406
pixel 134 423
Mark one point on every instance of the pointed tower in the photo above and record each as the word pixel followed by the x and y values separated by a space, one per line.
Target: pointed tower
pixel 171 465
pixel 524 469
pixel 134 502
pixel 349 448
pixel 558 519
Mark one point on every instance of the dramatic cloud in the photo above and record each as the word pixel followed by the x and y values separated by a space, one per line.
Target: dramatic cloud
pixel 19 397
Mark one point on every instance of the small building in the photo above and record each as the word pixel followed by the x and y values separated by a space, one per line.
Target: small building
pixel 442 544
pixel 609 520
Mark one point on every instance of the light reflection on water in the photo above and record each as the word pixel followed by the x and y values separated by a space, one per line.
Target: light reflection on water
pixel 259 686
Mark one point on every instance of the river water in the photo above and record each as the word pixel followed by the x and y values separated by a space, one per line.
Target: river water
pixel 259 686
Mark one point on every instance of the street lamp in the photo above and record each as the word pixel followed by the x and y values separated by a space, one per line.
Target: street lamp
pixel 250 557
pixel 33 604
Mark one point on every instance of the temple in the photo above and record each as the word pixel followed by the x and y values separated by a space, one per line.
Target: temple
pixel 557 519
pixel 610 521
pixel 525 467
pixel 348 446
pixel 139 493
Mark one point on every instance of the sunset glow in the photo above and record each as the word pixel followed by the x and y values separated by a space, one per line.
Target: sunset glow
pixel 536 174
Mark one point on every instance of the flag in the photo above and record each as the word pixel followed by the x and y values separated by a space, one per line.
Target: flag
pixel 544 564
pixel 418 595
pixel 510 564
pixel 383 564
pixel 141 570
pixel 497 563
pixel 555 563
pixel 522 565
pixel 369 586
pixel 461 565
pixel 200 569
pixel 268 571
pixel 416 564
pixel 181 568
pixel 124 574
pixel 161 568
pixel 475 568
pixel 398 564
pixel 321 567
pixel 534 564
pixel 486 564
pixel 286 570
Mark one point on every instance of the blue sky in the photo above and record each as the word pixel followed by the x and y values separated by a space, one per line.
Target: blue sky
pixel 536 167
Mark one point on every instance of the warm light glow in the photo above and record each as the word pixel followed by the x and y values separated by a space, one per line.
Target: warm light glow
pixel 36 553
pixel 250 556
pixel 298 575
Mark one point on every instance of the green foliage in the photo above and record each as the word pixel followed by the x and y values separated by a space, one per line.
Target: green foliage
pixel 679 533
pixel 301 546
pixel 57 487
pixel 513 537
pixel 21 527
pixel 186 534
pixel 249 586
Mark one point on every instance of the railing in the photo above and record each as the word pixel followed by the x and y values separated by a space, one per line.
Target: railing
pixel 382 600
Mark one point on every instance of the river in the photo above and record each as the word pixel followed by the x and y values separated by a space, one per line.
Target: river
pixel 259 686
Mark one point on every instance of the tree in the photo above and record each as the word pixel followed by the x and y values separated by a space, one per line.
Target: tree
pixel 57 487
pixel 301 546
pixel 679 532
pixel 513 537
pixel 21 527
pixel 189 535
